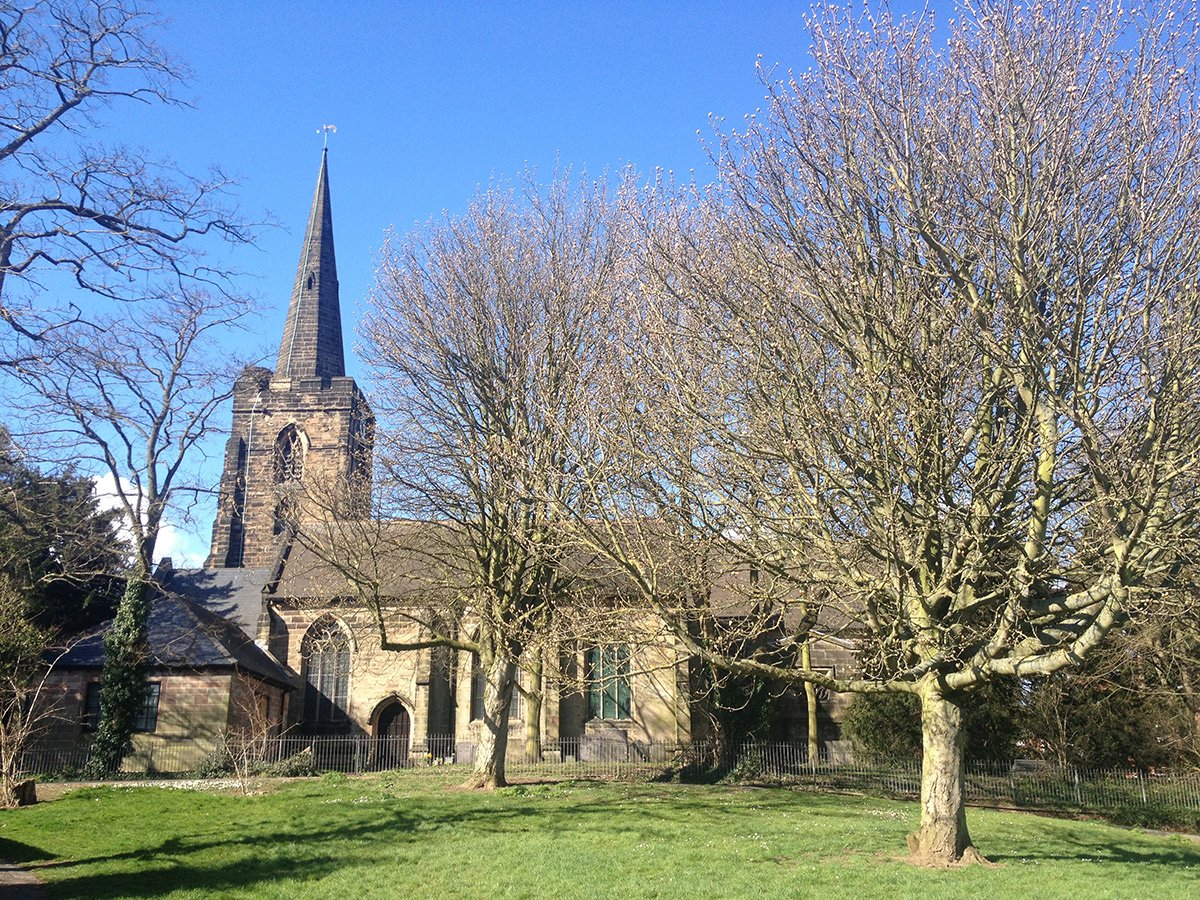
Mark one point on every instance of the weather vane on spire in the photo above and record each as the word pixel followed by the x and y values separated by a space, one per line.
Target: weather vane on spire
pixel 324 130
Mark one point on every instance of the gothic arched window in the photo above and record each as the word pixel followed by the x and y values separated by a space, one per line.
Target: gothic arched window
pixel 325 652
pixel 289 455
pixel 362 439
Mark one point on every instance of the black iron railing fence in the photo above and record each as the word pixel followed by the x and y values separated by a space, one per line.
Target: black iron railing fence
pixel 1024 784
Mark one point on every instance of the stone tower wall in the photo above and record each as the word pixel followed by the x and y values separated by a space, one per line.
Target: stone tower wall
pixel 334 419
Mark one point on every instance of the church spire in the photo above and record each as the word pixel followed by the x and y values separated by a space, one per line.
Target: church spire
pixel 312 337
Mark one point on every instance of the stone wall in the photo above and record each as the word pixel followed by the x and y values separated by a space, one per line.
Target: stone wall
pixel 193 713
pixel 257 707
pixel 790 706
pixel 437 693
pixel 659 698
pixel 659 709
pixel 376 676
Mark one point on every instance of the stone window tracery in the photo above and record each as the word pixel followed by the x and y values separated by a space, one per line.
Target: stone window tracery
pixel 289 455
pixel 326 659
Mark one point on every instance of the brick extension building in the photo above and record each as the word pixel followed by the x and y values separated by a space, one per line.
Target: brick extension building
pixel 263 631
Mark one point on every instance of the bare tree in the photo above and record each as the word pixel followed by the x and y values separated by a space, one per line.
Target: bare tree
pixel 247 743
pixel 937 336
pixel 132 397
pixel 108 216
pixel 481 333
pixel 22 676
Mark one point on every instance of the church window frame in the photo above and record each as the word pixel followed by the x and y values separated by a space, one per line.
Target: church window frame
pixel 291 448
pixel 326 653
pixel 145 720
pixel 607 674
pixel 289 456
pixel 360 441
pixel 286 515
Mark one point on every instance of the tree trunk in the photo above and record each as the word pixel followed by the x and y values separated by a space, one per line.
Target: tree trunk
pixel 810 700
pixel 492 745
pixel 8 779
pixel 533 711
pixel 942 839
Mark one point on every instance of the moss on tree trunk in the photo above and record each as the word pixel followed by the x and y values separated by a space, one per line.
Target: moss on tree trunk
pixel 533 710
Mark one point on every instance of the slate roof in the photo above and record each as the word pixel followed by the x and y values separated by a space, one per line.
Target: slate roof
pixel 415 562
pixel 233 594
pixel 409 561
pixel 184 633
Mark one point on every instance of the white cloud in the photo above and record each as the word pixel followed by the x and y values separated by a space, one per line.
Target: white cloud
pixel 186 548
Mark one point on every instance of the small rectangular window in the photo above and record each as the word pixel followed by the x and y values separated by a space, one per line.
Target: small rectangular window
pixel 147 717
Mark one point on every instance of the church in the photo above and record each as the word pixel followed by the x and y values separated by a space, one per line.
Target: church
pixel 266 634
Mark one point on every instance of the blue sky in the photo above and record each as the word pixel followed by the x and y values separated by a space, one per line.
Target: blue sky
pixel 432 101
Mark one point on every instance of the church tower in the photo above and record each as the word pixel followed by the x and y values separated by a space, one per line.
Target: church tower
pixel 302 435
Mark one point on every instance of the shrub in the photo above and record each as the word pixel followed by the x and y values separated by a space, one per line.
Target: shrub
pixel 294 766
pixel 888 726
pixel 1156 815
pixel 748 768
pixel 217 764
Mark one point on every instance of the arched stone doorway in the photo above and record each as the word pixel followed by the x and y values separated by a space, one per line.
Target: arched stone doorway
pixel 393 727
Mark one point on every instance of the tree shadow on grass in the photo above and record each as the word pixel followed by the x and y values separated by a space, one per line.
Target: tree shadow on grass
pixel 249 847
pixel 303 851
pixel 1064 843
pixel 15 851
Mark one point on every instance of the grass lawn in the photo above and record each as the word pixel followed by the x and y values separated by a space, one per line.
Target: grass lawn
pixel 416 835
